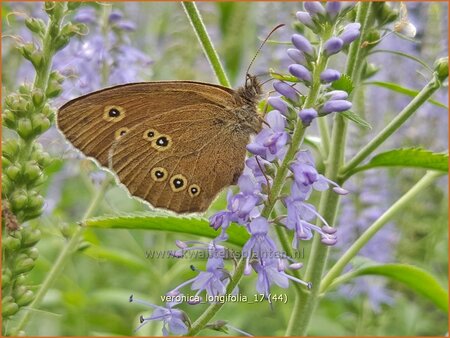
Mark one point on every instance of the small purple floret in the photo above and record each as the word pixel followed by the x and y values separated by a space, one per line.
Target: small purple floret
pixel 302 44
pixel 286 90
pixel 279 104
pixel 333 8
pixel 305 19
pixel 333 46
pixel 335 106
pixel 307 115
pixel 330 75
pixel 314 8
pixel 297 56
pixel 300 72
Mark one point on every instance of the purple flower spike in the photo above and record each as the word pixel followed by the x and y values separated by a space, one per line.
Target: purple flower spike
pixel 348 36
pixel 300 72
pixel 302 44
pixel 333 8
pixel 337 95
pixel 333 46
pixel 278 104
pixel 286 90
pixel 307 115
pixel 314 8
pixel 329 75
pixel 305 19
pixel 115 16
pixel 297 56
pixel 335 106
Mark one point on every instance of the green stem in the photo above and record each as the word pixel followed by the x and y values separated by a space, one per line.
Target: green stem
pixel 63 257
pixel 427 91
pixel 203 37
pixel 329 201
pixel 398 206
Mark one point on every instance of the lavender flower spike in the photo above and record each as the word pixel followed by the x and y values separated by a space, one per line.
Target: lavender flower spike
pixel 297 56
pixel 286 90
pixel 302 44
pixel 314 8
pixel 307 115
pixel 335 106
pixel 333 46
pixel 300 72
pixel 329 75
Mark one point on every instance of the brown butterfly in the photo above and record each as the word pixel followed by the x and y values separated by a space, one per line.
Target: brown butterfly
pixel 175 144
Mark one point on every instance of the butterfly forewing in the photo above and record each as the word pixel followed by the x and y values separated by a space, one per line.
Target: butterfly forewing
pixel 94 121
pixel 191 154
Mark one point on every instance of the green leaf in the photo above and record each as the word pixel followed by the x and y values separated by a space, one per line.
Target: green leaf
pixel 344 83
pixel 162 222
pixel 418 280
pixel 408 157
pixel 403 90
pixel 356 118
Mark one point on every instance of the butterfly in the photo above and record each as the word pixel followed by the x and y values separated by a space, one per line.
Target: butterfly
pixel 174 144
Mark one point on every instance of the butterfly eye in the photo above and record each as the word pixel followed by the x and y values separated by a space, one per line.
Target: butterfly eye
pixel 194 190
pixel 150 134
pixel 163 142
pixel 178 183
pixel 120 132
pixel 159 174
pixel 113 113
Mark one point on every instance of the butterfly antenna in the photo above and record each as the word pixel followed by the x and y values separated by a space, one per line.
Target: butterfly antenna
pixel 261 46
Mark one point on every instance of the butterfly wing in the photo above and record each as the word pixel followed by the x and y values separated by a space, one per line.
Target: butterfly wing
pixel 191 154
pixel 93 122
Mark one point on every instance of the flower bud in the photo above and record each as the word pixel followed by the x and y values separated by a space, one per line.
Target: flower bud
pixel 25 128
pixel 332 8
pixel 30 237
pixel 340 191
pixel 337 95
pixel 18 200
pixel 26 49
pixel 297 56
pixel 302 44
pixel 35 201
pixel 54 89
pixel 314 8
pixel 37 97
pixel 11 243
pixel 307 115
pixel 23 264
pixel 335 106
pixel 329 75
pixel 285 90
pixel 32 172
pixel 6 277
pixel 333 46
pixel 350 35
pixel 441 68
pixel 35 25
pixel 32 252
pixel 306 19
pixel 9 307
pixel 40 123
pixel 300 72
pixel 37 58
pixel 11 149
pixel 14 172
pixel 279 104
pixel 9 119
pixel 328 241
pixel 19 291
pixel 25 299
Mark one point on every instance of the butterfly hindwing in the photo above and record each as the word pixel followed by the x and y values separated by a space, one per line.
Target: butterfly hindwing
pixel 181 159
